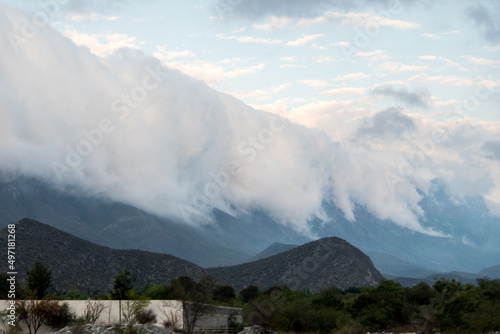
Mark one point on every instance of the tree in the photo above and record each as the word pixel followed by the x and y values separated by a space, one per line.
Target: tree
pixel 249 293
pixel 122 285
pixel 39 279
pixel 193 310
pixel 93 310
pixel 224 293
pixel 34 313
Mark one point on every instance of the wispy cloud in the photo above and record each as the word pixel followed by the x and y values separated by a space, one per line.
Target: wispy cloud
pixel 249 39
pixel 357 20
pixel 439 35
pixel 166 55
pixel 102 45
pixel 344 91
pixel 273 22
pixel 90 17
pixel 373 56
pixel 304 40
pixel 417 98
pixel 352 76
pixel 314 83
pixel 481 61
pixel 397 67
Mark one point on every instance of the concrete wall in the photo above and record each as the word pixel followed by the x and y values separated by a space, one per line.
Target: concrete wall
pixel 213 317
pixel 170 310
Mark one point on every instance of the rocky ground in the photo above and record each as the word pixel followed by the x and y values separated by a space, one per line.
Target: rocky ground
pixel 115 328
pixel 137 329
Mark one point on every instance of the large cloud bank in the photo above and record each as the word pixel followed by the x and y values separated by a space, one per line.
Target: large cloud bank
pixel 128 129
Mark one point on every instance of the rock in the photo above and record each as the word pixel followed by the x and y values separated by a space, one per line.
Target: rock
pixel 110 329
pixel 256 330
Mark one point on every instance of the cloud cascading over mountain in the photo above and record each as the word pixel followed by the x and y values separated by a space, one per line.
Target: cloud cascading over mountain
pixel 129 129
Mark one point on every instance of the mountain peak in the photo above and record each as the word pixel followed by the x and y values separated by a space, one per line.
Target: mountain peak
pixel 314 266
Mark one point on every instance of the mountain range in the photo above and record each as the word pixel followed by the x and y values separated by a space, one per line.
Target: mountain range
pixel 235 239
pixel 79 264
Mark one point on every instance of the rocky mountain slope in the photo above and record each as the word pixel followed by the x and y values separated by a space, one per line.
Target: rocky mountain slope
pixel 314 266
pixel 230 241
pixel 272 250
pixel 79 264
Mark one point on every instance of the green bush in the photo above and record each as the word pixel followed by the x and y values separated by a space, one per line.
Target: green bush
pixel 61 318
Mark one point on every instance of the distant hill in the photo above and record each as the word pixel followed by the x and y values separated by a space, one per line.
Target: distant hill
pixel 79 264
pixel 462 277
pixel 232 240
pixel 491 272
pixel 272 250
pixel 314 266
pixel 391 266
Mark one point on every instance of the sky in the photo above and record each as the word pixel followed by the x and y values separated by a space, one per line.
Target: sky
pixel 357 102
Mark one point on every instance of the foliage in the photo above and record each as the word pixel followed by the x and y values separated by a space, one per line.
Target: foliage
pixel 123 284
pixel 233 324
pixel 446 306
pixel 145 316
pixel 223 293
pixel 74 295
pixel 61 317
pixel 193 310
pixel 39 279
pixel 249 293
pixel 4 322
pixel 35 313
pixel 93 310
pixel 133 306
pixel 171 320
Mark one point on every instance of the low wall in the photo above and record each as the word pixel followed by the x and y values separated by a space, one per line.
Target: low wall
pixel 165 310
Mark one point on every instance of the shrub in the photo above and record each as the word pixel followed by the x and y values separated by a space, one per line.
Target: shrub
pixel 145 316
pixel 61 317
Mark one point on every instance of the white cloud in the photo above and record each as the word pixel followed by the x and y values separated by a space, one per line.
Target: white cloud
pixel 167 55
pixel 212 73
pixel 427 57
pixel 314 83
pixel 323 59
pixel 358 20
pixel 273 22
pixel 396 67
pixel 432 36
pixel 344 91
pixel 351 76
pixel 369 19
pixel 304 40
pixel 373 56
pixel 341 43
pixel 492 48
pixel 102 45
pixel 90 17
pixel 439 35
pixel 249 39
pixel 481 61
pixel 169 140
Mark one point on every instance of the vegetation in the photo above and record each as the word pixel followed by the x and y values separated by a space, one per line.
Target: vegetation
pixel 39 279
pixel 446 306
